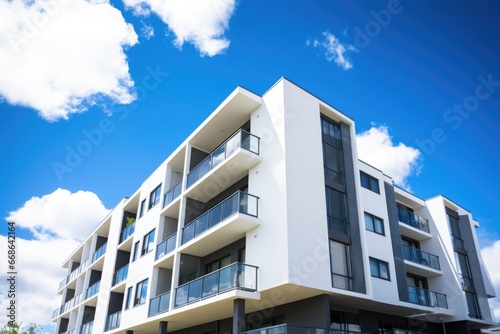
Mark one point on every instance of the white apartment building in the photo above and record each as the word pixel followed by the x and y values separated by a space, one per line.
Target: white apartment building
pixel 265 221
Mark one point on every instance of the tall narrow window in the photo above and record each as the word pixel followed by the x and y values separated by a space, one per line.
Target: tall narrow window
pixel 336 211
pixel 463 269
pixel 456 234
pixel 129 298
pixel 148 242
pixel 340 262
pixel 136 251
pixel 332 152
pixel 472 305
pixel 142 207
pixel 154 198
pixel 141 292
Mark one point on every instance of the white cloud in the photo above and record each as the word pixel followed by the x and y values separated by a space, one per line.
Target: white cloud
pixel 490 255
pixel 62 214
pixel 59 221
pixel 200 22
pixel 60 56
pixel 147 31
pixel 334 50
pixel 376 148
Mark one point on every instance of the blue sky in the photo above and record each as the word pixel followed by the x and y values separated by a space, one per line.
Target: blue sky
pixel 421 75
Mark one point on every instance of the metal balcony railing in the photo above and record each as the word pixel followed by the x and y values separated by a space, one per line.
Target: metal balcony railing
pixel 113 321
pixel 234 276
pixel 166 246
pixel 87 328
pixel 93 289
pixel 172 193
pixel 159 304
pixel 426 297
pixel 120 275
pixel 293 329
pixel 239 202
pixel 127 232
pixel 417 256
pixel 240 139
pixel 98 253
pixel 413 220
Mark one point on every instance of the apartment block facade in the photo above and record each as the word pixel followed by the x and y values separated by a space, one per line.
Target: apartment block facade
pixel 264 221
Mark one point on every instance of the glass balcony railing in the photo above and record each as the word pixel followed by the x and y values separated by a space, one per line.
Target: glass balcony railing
pixel 67 306
pixel 413 220
pixel 113 321
pixel 239 202
pixel 172 194
pixel 98 253
pixel 87 328
pixel 398 331
pixel 426 297
pixel 417 256
pixel 234 276
pixel 120 275
pixel 241 139
pixel 166 246
pixel 93 289
pixel 293 329
pixel 127 232
pixel 159 304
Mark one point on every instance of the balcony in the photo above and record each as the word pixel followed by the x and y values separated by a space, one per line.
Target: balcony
pixel 127 232
pixel 293 329
pixel 226 222
pixel 426 298
pixel 113 321
pixel 422 258
pixel 120 275
pixel 227 164
pixel 166 246
pixel 98 253
pixel 67 306
pixel 172 194
pixel 234 276
pixel 159 304
pixel 412 225
pixel 92 290
pixel 87 328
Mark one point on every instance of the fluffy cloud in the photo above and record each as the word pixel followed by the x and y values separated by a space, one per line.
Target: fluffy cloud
pixel 334 50
pixel 60 56
pixel 490 255
pixel 59 221
pixel 376 148
pixel 61 214
pixel 200 22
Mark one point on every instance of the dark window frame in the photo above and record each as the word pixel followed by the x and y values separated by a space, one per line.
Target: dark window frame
pixel 128 300
pixel 378 264
pixel 373 228
pixel 141 292
pixel 142 208
pixel 369 182
pixel 136 251
pixel 348 265
pixel 154 197
pixel 147 241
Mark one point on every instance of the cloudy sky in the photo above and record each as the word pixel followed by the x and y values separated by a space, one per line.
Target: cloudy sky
pixel 95 94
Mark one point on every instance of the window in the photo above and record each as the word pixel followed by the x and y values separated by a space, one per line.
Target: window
pixel 456 234
pixel 369 182
pixel 374 224
pixel 463 269
pixel 472 305
pixel 340 265
pixel 136 251
pixel 217 264
pixel 141 292
pixel 344 321
pixel 336 211
pixel 129 298
pixel 332 152
pixel 379 268
pixel 154 198
pixel 141 208
pixel 148 242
